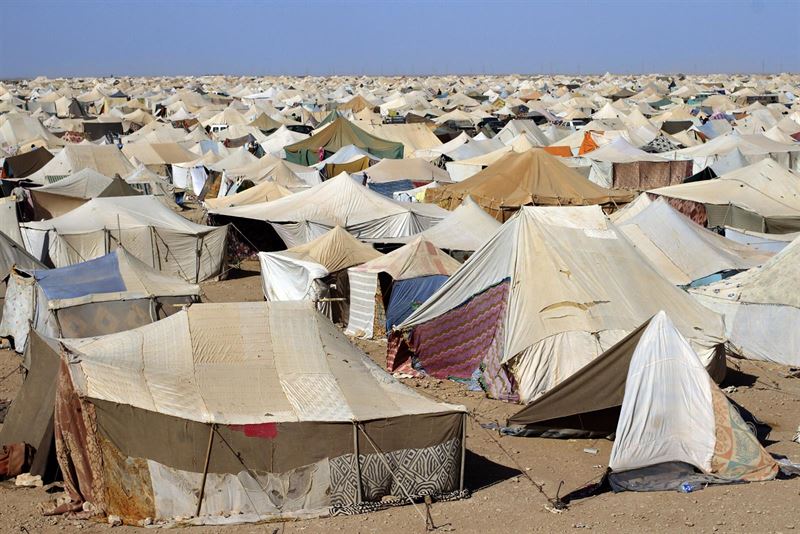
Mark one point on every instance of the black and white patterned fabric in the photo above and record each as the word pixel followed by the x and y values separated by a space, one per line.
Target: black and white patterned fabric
pixel 433 471
pixel 660 144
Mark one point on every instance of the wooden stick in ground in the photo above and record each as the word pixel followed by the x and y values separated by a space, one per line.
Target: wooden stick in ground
pixel 205 470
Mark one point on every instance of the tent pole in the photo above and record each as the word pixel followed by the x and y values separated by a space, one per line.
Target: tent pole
pixel 358 463
pixel 205 469
pixel 463 450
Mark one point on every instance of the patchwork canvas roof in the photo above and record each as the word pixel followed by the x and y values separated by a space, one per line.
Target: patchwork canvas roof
pixel 116 276
pixel 238 363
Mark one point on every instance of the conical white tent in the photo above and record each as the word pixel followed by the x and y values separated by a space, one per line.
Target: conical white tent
pixel 673 413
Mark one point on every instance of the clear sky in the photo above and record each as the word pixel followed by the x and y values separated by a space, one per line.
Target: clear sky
pixel 138 37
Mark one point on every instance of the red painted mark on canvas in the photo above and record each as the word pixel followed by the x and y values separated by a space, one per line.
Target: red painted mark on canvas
pixel 261 430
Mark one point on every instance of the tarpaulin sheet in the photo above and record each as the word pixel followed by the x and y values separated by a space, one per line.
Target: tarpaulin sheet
pixel 407 295
pixel 100 275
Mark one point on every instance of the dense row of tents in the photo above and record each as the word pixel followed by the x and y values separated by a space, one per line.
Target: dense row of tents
pixel 593 249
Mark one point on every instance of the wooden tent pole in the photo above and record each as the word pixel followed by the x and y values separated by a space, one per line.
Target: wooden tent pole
pixel 205 469
pixel 358 463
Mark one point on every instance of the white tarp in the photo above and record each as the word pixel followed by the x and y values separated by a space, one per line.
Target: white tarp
pixel 667 414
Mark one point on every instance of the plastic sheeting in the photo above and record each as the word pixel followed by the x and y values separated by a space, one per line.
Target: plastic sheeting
pixel 407 295
pixel 667 414
pixel 101 275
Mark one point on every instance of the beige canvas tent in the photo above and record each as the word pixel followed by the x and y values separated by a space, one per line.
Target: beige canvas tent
pixel 522 179
pixel 272 394
pixel 149 230
pixel 108 160
pixel 553 289
pixel 316 271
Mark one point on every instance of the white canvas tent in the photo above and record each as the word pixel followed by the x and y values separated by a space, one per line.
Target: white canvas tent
pixel 671 424
pixel 682 251
pixel 761 308
pixel 340 201
pixel 466 228
pixel 764 197
pixel 554 288
pixel 149 230
pixel 301 272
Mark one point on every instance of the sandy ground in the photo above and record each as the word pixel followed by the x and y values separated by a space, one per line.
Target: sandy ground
pixel 504 500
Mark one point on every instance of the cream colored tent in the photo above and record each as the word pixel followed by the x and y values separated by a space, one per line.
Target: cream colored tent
pixel 142 224
pixel 316 271
pixel 763 197
pixel 108 160
pixel 340 201
pixel 553 289
pixel 761 307
pixel 682 251
pixel 671 424
pixel 466 228
pixel 276 398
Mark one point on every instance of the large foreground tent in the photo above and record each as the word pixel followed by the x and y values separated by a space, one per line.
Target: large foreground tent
pixel 526 178
pixel 316 271
pixel 385 290
pixel 267 406
pixel 671 422
pixel 553 289
pixel 336 135
pixel 683 251
pixel 761 307
pixel 763 197
pixel 149 230
pixel 105 295
pixel 341 201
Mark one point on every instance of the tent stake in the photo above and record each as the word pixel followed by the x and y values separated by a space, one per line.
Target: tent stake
pixel 463 450
pixel 205 469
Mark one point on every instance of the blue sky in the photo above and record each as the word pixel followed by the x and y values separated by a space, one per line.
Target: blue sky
pixel 94 38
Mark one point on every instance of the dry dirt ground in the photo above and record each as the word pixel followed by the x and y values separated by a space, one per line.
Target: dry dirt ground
pixel 504 500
